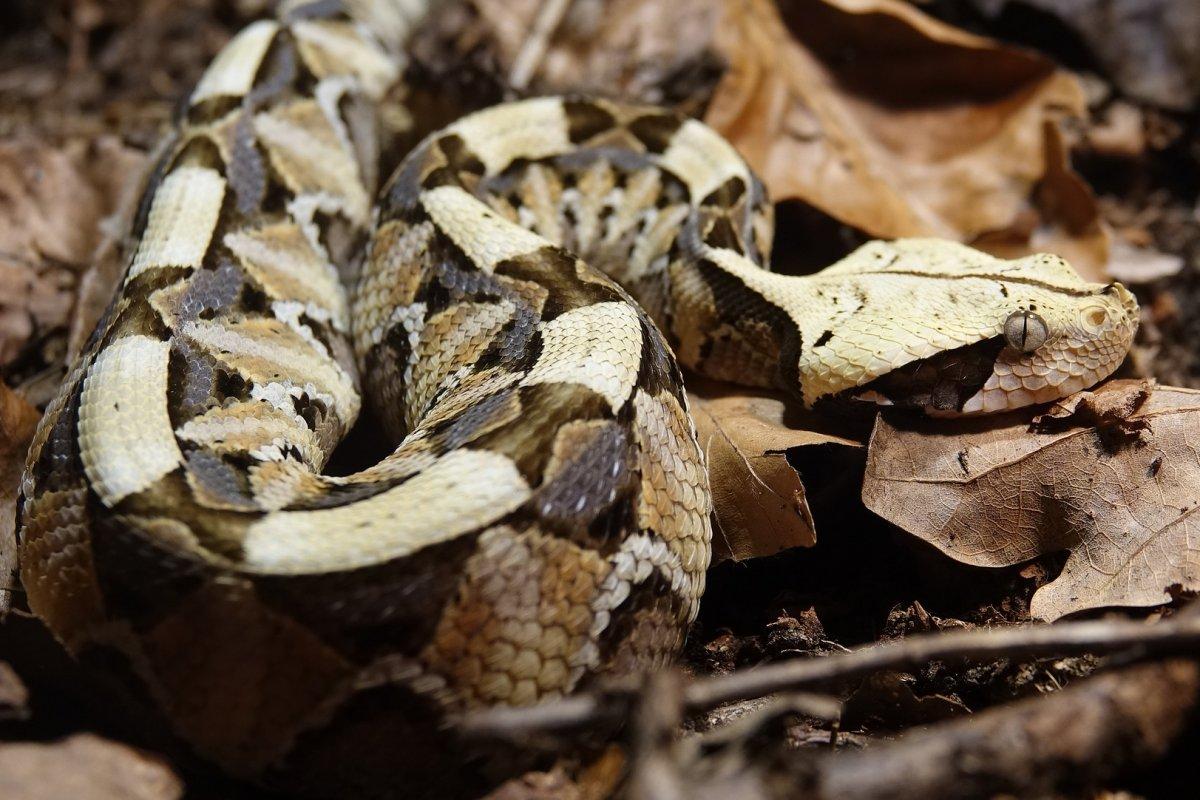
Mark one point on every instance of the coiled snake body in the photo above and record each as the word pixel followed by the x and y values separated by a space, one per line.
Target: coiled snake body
pixel 544 517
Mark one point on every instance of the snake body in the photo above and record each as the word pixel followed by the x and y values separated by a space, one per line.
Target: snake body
pixel 532 272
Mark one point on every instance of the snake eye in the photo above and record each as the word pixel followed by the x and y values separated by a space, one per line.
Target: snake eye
pixel 1025 331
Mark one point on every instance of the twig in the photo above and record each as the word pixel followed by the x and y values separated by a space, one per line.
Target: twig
pixel 821 706
pixel 1081 738
pixel 654 771
pixel 1178 635
pixel 534 48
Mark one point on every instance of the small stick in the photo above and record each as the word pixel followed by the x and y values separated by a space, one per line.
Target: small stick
pixel 534 48
pixel 1177 635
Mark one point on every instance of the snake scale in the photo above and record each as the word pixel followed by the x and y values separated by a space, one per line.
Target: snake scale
pixel 519 293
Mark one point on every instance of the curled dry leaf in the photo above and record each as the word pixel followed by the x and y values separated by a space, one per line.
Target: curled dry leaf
pixel 48 216
pixel 903 126
pixel 1134 265
pixel 84 767
pixel 1112 476
pixel 51 207
pixel 1064 218
pixel 759 499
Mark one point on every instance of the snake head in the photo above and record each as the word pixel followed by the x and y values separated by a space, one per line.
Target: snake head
pixel 1054 349
pixel 951 331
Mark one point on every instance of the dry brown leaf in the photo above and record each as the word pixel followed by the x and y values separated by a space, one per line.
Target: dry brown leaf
pixel 48 215
pixel 895 123
pixel 52 202
pixel 1134 265
pixel 1064 218
pixel 759 499
pixel 83 767
pixel 1112 476
pixel 649 51
pixel 18 419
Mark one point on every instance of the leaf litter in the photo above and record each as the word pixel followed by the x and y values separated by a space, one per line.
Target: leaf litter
pixel 868 113
pixel 1111 476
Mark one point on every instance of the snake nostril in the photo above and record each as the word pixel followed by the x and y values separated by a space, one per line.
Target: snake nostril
pixel 1096 317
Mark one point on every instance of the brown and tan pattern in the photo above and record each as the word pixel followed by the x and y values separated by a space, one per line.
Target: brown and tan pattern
pixel 544 516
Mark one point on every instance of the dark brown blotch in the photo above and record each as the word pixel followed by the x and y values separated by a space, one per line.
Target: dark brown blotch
pixel 586 120
pixel 655 131
pixel 727 194
pixel 557 271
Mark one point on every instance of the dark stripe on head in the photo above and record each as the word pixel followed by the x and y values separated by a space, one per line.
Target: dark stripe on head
pixel 737 303
pixel 943 382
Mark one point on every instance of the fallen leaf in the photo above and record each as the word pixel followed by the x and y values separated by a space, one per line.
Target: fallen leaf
pixel 47 215
pixel 634 49
pixel 121 174
pixel 1063 218
pixel 83 767
pixel 1150 48
pixel 52 202
pixel 887 119
pixel 1112 476
pixel 1107 409
pixel 1070 224
pixel 18 419
pixel 760 503
pixel 1133 265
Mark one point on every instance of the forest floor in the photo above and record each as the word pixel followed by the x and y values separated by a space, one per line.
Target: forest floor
pixel 1081 138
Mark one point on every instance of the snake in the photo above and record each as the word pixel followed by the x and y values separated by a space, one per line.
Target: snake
pixel 511 308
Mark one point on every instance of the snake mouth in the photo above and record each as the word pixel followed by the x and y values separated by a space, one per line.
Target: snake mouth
pixel 940 384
